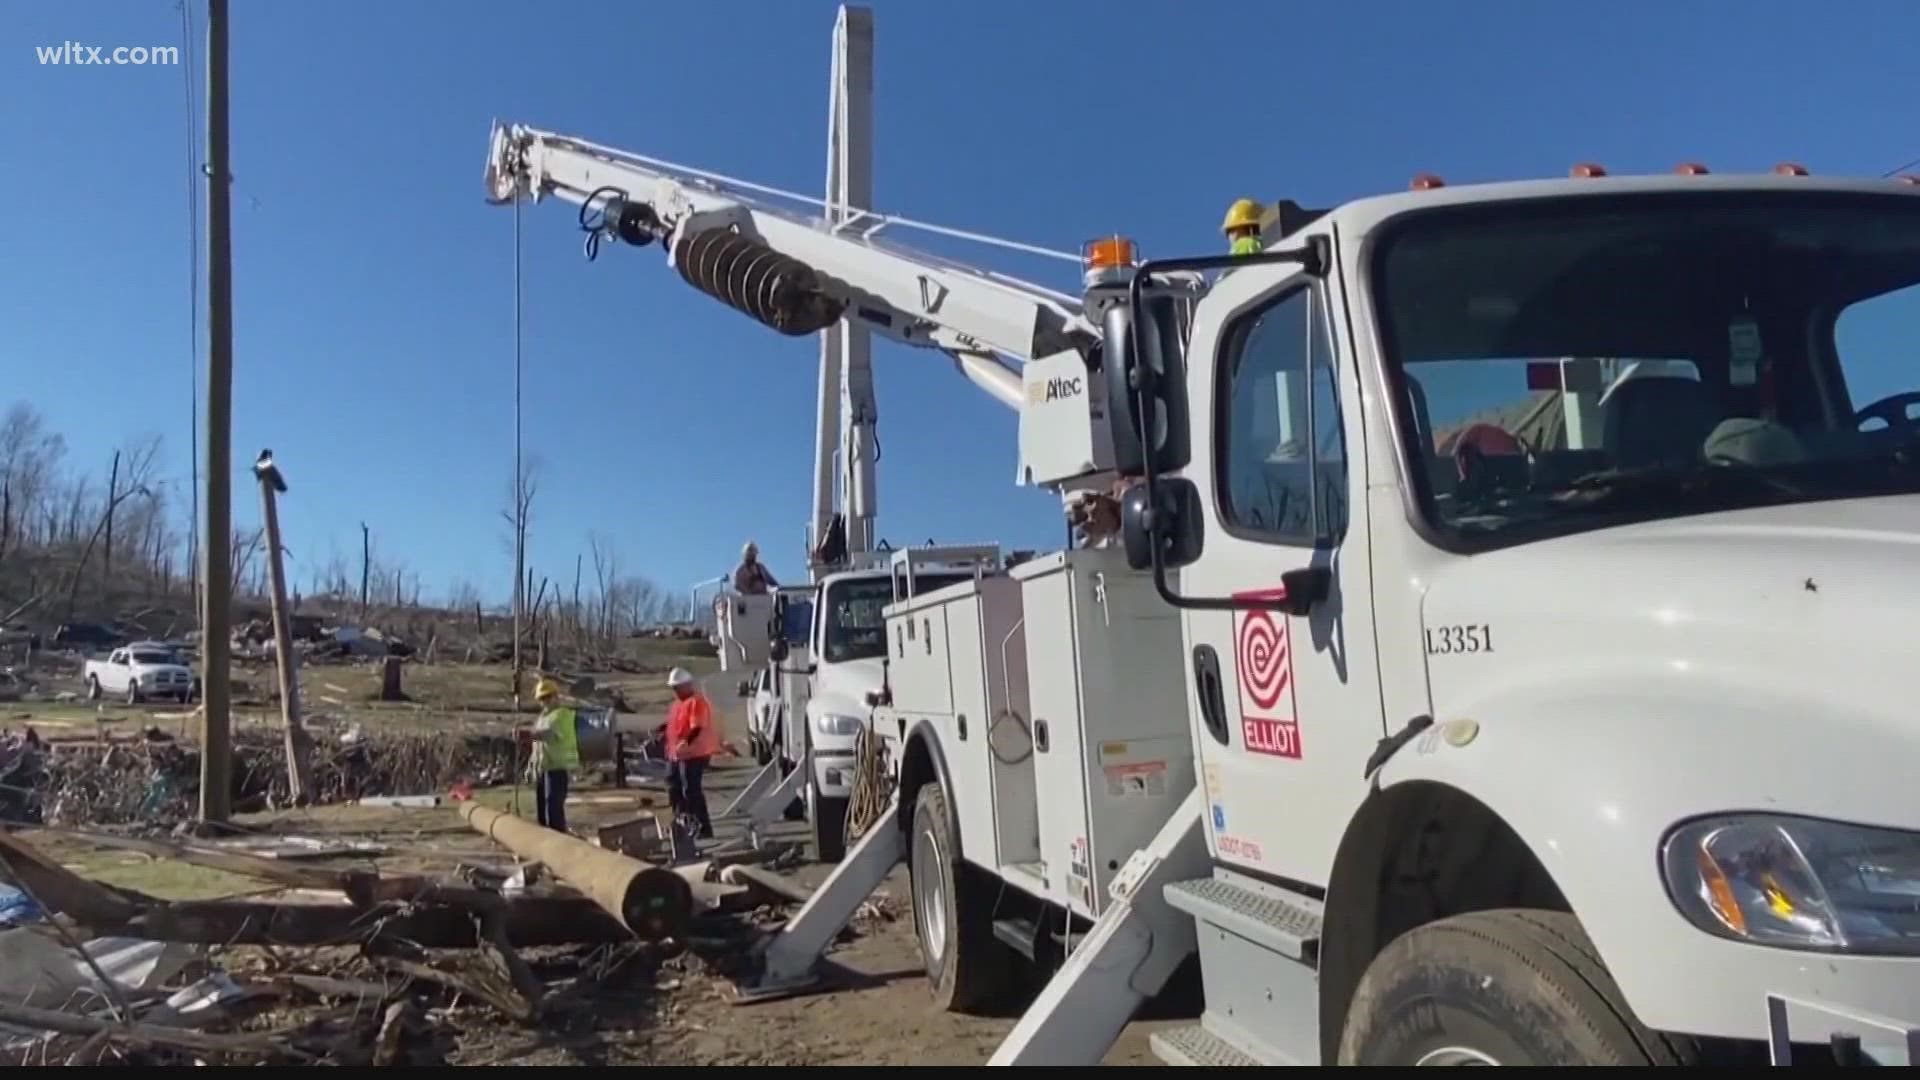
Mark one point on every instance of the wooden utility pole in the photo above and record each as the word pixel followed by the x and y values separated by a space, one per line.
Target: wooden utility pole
pixel 299 744
pixel 216 525
pixel 366 564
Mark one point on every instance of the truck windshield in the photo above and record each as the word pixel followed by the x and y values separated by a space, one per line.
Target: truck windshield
pixel 855 628
pixel 1569 364
pixel 145 656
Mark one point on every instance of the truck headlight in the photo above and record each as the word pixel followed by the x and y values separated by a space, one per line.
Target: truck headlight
pixel 836 724
pixel 1798 883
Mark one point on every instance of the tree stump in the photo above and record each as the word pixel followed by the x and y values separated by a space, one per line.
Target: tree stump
pixel 390 680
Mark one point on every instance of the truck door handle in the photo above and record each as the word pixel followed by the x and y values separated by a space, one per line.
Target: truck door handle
pixel 1213 700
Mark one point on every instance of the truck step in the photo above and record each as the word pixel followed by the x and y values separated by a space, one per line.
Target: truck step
pixel 1194 1045
pixel 1019 933
pixel 1288 925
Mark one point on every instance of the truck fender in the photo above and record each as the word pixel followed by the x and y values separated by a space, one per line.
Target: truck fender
pixel 1591 773
pixel 923 759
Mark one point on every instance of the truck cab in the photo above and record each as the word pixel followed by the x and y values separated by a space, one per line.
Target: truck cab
pixel 1538 551
pixel 1500 659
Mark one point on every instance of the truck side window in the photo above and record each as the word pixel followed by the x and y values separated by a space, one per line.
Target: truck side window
pixel 1280 448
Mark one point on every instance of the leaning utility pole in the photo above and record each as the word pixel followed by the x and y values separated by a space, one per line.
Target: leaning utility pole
pixel 299 744
pixel 216 524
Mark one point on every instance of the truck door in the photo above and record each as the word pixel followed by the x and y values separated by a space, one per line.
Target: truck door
pixel 1287 708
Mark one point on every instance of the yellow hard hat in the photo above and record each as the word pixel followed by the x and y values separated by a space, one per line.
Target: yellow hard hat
pixel 545 690
pixel 1243 214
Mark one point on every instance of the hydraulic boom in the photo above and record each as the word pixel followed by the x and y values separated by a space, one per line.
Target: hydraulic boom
pixel 792 272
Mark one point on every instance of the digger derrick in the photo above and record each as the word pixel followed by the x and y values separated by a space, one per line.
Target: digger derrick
pixel 786 269
pixel 1036 351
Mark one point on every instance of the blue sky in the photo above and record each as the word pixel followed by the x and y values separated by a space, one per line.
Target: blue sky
pixel 372 318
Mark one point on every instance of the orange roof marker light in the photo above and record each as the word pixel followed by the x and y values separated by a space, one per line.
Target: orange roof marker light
pixel 1426 181
pixel 1106 258
pixel 1789 168
pixel 1690 168
pixel 1586 170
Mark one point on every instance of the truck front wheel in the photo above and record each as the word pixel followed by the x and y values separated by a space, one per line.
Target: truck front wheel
pixel 1510 987
pixel 828 817
pixel 952 913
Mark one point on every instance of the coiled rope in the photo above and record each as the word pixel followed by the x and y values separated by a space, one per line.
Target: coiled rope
pixel 872 787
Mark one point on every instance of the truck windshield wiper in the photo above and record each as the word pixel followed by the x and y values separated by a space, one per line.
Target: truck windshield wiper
pixel 1666 486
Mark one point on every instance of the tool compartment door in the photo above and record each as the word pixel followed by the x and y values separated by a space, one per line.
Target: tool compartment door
pixel 1286 709
pixel 1059 753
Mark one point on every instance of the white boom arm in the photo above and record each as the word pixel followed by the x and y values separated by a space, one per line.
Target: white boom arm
pixel 790 271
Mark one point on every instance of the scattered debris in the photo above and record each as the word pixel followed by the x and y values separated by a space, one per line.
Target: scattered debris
pixel 156 782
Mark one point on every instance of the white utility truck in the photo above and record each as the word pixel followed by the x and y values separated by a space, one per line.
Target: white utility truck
pixel 1459 689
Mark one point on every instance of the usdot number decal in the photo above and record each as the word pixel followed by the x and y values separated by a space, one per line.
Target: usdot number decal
pixel 1471 638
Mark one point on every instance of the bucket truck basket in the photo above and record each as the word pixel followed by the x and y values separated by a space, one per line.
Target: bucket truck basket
pixel 743 628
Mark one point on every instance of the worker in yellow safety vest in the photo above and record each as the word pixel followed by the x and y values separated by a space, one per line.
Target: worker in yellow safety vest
pixel 556 753
pixel 1242 226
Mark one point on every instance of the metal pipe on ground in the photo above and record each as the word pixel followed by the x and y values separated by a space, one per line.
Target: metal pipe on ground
pixel 652 902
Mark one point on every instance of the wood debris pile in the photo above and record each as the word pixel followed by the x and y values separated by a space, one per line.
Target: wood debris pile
pixel 349 966
pixel 157 780
pixel 389 971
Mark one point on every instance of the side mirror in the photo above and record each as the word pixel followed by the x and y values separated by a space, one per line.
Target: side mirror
pixel 1142 352
pixel 1306 587
pixel 746 688
pixel 778 650
pixel 1169 519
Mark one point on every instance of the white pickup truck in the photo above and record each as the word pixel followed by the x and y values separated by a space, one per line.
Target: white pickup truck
pixel 139 672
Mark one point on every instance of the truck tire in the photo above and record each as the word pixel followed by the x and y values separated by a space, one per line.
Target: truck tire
pixel 1508 987
pixel 952 912
pixel 828 820
pixel 93 688
pixel 133 690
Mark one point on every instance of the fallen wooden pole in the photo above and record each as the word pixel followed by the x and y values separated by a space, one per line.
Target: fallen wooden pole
pixel 652 902
pixel 530 921
pixel 383 909
pixel 365 887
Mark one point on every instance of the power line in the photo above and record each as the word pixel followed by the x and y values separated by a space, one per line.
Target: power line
pixel 1898 169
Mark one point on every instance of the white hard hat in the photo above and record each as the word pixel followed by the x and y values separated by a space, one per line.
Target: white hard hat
pixel 751 548
pixel 679 677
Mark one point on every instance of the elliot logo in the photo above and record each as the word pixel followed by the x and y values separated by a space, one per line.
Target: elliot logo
pixel 1056 389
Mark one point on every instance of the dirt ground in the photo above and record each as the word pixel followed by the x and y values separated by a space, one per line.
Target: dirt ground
pixel 678 1011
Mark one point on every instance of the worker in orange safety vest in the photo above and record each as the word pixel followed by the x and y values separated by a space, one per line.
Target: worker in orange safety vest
pixel 692 738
